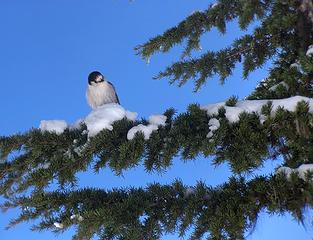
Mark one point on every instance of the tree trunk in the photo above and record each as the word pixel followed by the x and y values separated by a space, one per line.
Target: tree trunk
pixel 305 23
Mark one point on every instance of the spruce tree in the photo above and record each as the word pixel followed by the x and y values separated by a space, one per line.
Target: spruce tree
pixel 274 121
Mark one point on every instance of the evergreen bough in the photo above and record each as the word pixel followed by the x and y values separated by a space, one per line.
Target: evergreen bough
pixel 32 160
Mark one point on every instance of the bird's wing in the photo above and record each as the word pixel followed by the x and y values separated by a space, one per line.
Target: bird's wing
pixel 113 88
pixel 90 99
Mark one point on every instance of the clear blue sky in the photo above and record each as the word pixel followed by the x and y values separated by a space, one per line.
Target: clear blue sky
pixel 47 49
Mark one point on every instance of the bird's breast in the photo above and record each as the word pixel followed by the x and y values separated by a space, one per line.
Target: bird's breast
pixel 98 95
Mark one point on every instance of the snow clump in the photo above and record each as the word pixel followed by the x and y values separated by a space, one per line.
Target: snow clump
pixel 301 170
pixel 255 106
pixel 76 216
pixel 273 88
pixel 214 124
pixel 309 52
pixel 43 166
pixel 154 122
pixel 56 126
pixel 297 65
pixel 104 116
pixel 214 5
pixel 189 191
pixel 100 118
pixel 58 225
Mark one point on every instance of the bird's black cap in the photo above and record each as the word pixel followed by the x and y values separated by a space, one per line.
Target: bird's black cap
pixel 93 76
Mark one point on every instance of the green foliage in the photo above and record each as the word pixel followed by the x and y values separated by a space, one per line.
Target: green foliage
pixel 275 35
pixel 232 101
pixel 46 156
pixel 267 109
pixel 227 211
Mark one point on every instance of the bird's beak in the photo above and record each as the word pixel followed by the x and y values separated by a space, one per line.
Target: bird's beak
pixel 99 80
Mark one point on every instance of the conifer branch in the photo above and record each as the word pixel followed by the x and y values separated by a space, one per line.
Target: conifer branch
pixel 228 211
pixel 245 144
pixel 273 35
pixel 228 132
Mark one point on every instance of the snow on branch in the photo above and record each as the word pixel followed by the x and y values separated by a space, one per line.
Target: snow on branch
pixel 193 132
pixel 102 118
pixel 154 122
pixel 255 106
pixel 302 171
pixel 309 52
pixel 57 126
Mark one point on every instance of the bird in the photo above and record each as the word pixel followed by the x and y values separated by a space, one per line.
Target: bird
pixel 100 91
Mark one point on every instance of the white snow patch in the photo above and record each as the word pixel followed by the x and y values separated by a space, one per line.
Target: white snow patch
pixel 131 115
pixel 214 124
pixel 56 126
pixel 301 170
pixel 263 82
pixel 104 116
pixel 309 52
pixel 214 5
pixel 210 134
pixel 43 166
pixel 77 124
pixel 157 119
pixel 154 122
pixel 58 225
pixel 76 216
pixel 273 88
pixel 68 154
pixel 84 132
pixel 78 150
pixel 285 170
pixel 194 11
pixel 146 130
pixel 25 208
pixel 189 191
pixel 250 106
pixel 297 66
pixel 148 60
pixel 101 118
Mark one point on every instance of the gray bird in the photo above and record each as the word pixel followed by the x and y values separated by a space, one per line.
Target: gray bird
pixel 100 91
